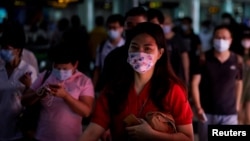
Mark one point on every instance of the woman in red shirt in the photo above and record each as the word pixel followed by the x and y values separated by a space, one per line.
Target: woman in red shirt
pixel 147 85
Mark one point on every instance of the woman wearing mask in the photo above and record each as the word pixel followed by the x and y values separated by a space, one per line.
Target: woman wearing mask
pixel 244 115
pixel 148 84
pixel 67 97
pixel 15 76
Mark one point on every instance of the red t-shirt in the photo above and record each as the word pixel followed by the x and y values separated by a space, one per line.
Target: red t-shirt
pixel 176 103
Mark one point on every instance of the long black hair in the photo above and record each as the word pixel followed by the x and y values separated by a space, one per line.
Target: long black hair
pixel 162 79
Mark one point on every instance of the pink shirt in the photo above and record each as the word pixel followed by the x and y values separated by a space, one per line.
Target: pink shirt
pixel 57 120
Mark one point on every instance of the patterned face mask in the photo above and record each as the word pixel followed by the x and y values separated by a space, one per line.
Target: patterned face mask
pixel 141 62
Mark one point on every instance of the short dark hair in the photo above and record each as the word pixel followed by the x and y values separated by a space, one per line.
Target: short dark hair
pixel 155 13
pixel 115 18
pixel 187 19
pixel 136 11
pixel 219 27
pixel 63 53
pixel 13 34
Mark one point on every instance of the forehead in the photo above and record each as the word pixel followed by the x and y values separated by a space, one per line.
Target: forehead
pixel 155 20
pixel 66 65
pixel 143 38
pixel 223 32
pixel 7 47
pixel 167 20
pixel 114 24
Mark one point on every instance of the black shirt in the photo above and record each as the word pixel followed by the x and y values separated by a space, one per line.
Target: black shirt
pixel 176 47
pixel 217 86
pixel 115 63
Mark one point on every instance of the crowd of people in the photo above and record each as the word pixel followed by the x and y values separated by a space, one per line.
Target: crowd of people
pixel 104 85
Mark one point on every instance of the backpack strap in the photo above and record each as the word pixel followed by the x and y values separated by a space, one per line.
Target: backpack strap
pixel 100 52
pixel 46 75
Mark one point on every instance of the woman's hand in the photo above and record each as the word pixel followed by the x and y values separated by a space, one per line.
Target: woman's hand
pixel 140 132
pixel 58 90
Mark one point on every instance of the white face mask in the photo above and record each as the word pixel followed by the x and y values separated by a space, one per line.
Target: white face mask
pixel 62 74
pixel 166 29
pixel 221 45
pixel 141 62
pixel 113 34
pixel 245 43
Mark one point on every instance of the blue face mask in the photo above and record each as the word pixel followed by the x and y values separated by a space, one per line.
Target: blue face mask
pixel 6 55
pixel 62 74
pixel 113 34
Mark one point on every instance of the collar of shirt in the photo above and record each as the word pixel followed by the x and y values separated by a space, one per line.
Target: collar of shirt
pixel 20 65
pixel 120 43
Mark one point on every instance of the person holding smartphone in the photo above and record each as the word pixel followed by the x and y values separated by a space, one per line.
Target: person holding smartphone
pixel 147 84
pixel 67 96
pixel 15 76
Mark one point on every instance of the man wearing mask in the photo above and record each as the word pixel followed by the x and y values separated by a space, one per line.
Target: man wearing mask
pixel 16 75
pixel 114 30
pixel 116 61
pixel 192 41
pixel 217 84
pixel 177 49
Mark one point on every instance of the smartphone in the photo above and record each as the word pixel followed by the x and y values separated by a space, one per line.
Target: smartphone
pixel 29 73
pixel 53 86
pixel 131 120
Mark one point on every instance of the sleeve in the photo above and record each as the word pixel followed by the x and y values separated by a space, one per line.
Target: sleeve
pixel 33 73
pixel 197 40
pixel 179 41
pixel 38 81
pixel 98 57
pixel 197 67
pixel 87 88
pixel 179 106
pixel 183 47
pixel 101 112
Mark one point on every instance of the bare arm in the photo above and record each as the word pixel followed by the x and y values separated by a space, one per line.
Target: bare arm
pixel 83 106
pixel 239 87
pixel 185 63
pixel 185 133
pixel 195 90
pixel 92 133
pixel 30 97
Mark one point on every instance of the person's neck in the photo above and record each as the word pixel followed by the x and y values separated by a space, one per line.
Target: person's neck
pixel 169 35
pixel 188 32
pixel 246 51
pixel 115 42
pixel 141 79
pixel 14 63
pixel 222 56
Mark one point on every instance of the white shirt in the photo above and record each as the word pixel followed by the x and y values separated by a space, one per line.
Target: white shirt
pixel 10 99
pixel 106 49
pixel 30 57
